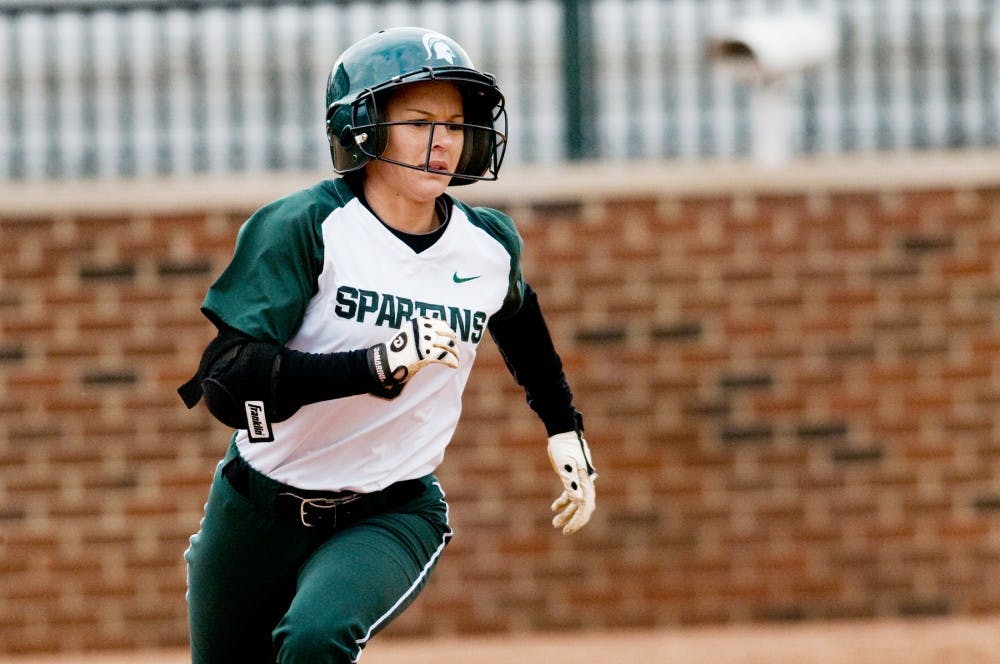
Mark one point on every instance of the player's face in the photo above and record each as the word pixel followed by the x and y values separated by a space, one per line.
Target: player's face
pixel 436 147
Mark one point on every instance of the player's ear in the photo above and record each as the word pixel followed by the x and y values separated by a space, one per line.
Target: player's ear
pixel 372 112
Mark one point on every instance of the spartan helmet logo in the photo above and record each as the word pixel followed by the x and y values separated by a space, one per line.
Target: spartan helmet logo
pixel 437 48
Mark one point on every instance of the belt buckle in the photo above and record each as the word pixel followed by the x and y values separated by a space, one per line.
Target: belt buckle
pixel 319 504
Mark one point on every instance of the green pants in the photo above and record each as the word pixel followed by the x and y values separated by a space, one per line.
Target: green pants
pixel 263 588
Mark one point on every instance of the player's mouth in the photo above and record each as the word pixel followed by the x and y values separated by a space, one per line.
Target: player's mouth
pixel 437 166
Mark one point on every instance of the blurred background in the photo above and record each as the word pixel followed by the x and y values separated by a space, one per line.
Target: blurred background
pixel 767 237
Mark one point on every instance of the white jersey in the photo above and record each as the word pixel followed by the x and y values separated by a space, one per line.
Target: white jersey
pixel 318 272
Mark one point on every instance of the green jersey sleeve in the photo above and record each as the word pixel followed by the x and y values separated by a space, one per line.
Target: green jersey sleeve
pixel 265 289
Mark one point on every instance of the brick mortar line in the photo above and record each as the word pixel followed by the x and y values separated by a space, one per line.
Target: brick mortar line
pixel 589 181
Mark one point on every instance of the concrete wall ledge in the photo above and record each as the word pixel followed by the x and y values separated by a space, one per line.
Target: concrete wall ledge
pixel 581 182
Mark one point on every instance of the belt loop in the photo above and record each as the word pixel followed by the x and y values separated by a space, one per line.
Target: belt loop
pixel 262 490
pixel 236 473
pixel 252 485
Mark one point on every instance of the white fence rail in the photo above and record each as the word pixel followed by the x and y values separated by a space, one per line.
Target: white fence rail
pixel 143 88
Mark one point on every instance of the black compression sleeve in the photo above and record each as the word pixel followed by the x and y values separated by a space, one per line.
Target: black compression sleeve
pixel 306 378
pixel 526 346
pixel 236 368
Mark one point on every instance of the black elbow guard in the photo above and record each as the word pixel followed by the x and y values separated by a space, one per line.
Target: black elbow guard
pixel 239 389
pixel 237 377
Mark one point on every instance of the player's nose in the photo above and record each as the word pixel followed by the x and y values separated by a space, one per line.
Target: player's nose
pixel 445 135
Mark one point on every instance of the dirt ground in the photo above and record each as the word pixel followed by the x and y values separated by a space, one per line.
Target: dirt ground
pixel 925 641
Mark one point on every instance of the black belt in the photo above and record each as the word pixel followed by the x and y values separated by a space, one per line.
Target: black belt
pixel 317 509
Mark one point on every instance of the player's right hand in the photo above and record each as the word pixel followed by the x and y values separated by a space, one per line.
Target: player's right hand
pixel 420 342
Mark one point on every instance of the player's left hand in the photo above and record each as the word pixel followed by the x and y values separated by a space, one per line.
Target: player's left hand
pixel 570 458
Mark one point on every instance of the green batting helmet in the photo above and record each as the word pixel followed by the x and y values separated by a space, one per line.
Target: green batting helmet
pixel 380 63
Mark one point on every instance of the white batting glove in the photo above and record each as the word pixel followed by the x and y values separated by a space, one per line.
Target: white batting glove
pixel 420 342
pixel 570 458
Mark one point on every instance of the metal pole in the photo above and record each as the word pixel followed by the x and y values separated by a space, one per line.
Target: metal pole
pixel 578 90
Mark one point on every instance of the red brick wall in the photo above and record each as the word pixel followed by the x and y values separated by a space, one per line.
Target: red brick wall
pixel 791 396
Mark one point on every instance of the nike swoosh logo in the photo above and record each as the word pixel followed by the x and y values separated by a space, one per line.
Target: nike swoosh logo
pixel 461 280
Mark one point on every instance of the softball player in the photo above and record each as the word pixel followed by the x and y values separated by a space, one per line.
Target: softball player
pixel 348 322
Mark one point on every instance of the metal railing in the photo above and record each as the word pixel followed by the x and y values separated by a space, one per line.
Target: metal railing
pixel 140 88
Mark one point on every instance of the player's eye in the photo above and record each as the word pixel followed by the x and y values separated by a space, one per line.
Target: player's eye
pixel 417 125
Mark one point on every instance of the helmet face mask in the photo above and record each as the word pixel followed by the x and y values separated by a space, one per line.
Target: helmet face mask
pixel 371 70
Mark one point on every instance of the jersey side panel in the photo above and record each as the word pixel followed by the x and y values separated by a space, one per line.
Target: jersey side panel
pixel 502 229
